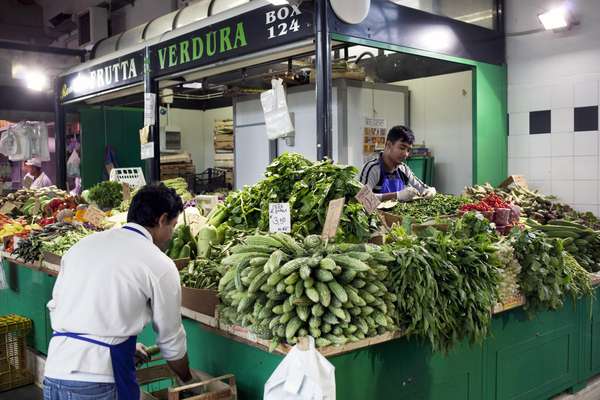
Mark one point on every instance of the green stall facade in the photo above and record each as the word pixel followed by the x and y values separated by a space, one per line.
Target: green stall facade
pixel 522 359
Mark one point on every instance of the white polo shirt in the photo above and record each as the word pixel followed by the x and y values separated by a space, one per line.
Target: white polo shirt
pixel 110 285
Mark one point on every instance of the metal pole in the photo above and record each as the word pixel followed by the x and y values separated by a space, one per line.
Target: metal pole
pixel 151 86
pixel 60 139
pixel 323 86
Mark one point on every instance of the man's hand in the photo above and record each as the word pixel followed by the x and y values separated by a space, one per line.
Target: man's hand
pixel 429 192
pixel 407 194
pixel 141 355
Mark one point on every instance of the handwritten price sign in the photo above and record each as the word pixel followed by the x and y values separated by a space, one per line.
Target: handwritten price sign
pixel 367 198
pixel 279 218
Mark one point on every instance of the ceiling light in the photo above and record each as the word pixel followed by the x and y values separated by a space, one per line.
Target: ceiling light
pixel 437 38
pixel 557 18
pixel 36 80
pixel 192 85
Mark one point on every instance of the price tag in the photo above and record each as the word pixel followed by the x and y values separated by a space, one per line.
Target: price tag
pixel 94 216
pixel 35 210
pixel 7 208
pixel 332 220
pixel 149 108
pixel 367 198
pixel 147 151
pixel 521 181
pixel 126 192
pixel 279 217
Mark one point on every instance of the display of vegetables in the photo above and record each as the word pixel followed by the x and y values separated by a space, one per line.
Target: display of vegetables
pixel 446 283
pixel 183 244
pixel 59 245
pixel 581 242
pixel 421 210
pixel 180 186
pixel 548 273
pixel 283 289
pixel 106 194
pixel 508 287
pixel 308 187
pixel 30 248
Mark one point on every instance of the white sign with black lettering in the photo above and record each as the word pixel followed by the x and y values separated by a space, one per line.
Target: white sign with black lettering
pixel 147 151
pixel 149 108
pixel 279 217
pixel 282 21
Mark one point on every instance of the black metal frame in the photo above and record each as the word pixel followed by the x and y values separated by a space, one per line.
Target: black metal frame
pixel 323 87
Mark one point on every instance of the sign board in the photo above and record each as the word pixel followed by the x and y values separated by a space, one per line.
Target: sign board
pixel 149 109
pixel 37 206
pixel 144 134
pixel 367 198
pixel 121 71
pixel 7 208
pixel 94 216
pixel 126 191
pixel 515 180
pixel 279 217
pixel 248 33
pixel 375 133
pixel 332 220
pixel 147 151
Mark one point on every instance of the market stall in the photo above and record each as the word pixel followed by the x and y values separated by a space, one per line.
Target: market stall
pixel 461 298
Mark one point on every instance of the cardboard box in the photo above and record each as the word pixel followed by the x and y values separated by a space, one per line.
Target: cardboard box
pixel 51 258
pixel 203 301
pixel 181 263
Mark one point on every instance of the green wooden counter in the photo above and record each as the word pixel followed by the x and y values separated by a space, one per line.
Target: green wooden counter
pixel 522 359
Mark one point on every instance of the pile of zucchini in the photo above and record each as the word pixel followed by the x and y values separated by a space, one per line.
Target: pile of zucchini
pixel 282 289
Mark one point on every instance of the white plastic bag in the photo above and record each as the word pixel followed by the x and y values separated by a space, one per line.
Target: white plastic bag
pixel 277 117
pixel 73 164
pixel 302 375
pixel 9 145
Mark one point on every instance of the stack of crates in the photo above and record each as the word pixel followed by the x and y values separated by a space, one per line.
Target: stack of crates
pixel 13 358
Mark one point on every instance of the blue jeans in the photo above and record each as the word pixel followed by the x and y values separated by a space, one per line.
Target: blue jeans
pixel 58 389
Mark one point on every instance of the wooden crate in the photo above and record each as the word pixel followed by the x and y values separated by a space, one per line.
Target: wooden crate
pixel 219 388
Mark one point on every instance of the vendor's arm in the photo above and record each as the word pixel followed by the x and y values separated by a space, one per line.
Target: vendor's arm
pixel 166 321
pixel 416 183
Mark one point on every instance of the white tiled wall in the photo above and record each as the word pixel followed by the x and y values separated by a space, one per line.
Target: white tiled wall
pixel 556 72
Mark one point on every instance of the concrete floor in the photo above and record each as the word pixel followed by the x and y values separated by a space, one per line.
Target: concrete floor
pixel 30 392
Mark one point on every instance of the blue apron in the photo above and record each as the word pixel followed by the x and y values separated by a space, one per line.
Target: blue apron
pixel 122 357
pixel 390 185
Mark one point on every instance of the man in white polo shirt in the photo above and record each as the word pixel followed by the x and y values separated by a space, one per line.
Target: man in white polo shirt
pixel 111 284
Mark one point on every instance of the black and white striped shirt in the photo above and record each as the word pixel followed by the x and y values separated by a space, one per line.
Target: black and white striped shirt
pixel 370 175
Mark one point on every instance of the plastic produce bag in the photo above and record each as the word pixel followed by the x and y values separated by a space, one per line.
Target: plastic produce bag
pixel 277 117
pixel 73 164
pixel 9 144
pixel 302 375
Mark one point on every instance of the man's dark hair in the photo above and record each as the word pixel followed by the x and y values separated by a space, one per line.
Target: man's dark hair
pixel 402 133
pixel 152 201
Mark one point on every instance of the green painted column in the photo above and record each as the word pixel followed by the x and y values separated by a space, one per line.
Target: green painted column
pixel 490 139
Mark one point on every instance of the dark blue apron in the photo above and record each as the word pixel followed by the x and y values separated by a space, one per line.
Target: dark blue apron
pixel 122 357
pixel 390 185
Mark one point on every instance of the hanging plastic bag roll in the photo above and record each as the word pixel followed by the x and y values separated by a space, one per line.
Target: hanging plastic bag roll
pixel 277 116
pixel 302 375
